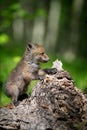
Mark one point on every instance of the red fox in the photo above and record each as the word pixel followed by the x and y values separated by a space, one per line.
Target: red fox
pixel 27 69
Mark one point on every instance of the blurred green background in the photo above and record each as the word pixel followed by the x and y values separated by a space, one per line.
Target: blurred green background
pixel 59 25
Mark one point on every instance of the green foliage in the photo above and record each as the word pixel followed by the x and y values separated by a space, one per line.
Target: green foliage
pixel 4 39
pixel 16 59
pixel 10 12
pixel 18 10
pixel 41 12
pixel 15 10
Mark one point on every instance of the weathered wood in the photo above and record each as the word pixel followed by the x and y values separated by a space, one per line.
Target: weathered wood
pixel 55 104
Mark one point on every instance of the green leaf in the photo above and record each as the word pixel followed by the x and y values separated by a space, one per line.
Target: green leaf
pixel 15 6
pixel 41 12
pixel 4 39
pixel 16 59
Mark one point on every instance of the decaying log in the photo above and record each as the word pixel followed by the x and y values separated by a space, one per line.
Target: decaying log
pixel 54 104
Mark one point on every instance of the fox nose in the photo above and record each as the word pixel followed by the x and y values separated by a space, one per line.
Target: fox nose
pixel 47 59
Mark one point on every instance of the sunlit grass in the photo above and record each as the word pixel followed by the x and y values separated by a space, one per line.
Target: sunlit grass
pixel 4 100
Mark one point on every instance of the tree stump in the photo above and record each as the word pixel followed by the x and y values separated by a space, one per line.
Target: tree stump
pixel 54 104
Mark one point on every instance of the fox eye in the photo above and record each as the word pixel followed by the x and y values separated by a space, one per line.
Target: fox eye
pixel 42 53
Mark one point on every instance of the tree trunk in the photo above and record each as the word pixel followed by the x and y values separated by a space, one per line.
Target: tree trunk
pixel 55 104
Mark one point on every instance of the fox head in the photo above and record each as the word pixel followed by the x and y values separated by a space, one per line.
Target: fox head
pixel 37 53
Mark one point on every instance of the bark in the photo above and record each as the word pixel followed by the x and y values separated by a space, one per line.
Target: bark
pixel 54 104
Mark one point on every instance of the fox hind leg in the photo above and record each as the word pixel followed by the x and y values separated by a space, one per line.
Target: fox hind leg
pixel 14 95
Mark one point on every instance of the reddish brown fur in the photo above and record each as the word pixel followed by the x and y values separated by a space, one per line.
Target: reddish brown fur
pixel 26 70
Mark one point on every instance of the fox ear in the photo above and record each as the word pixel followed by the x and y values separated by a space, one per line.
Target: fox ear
pixel 30 45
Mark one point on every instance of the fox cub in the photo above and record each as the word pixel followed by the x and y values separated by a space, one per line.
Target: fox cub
pixel 27 69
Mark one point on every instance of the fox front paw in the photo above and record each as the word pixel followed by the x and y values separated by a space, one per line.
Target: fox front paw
pixel 51 71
